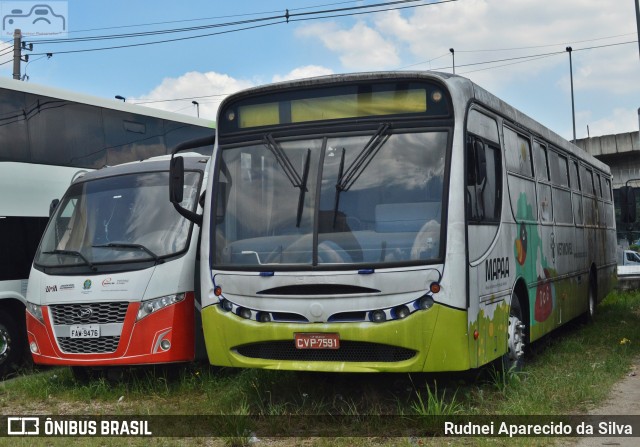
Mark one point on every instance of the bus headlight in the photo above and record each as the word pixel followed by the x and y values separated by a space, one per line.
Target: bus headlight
pixel 35 310
pixel 244 313
pixel 150 306
pixel 401 312
pixel 424 303
pixel 378 316
pixel 226 305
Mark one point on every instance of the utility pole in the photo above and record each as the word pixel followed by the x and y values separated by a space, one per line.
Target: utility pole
pixel 17 43
pixel 453 56
pixel 638 22
pixel 573 108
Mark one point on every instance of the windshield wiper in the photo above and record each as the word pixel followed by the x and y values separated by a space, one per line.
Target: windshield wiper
pixel 359 164
pixel 336 202
pixel 134 246
pixel 362 160
pixel 71 253
pixel 283 160
pixel 303 188
pixel 287 167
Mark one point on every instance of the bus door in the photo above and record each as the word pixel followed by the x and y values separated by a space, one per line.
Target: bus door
pixel 490 256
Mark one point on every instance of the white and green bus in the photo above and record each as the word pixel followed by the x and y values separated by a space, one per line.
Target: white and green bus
pixel 399 221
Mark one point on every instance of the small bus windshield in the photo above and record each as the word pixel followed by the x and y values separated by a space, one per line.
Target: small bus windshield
pixel 123 218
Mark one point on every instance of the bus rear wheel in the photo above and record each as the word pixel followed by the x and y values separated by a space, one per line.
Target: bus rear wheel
pixel 513 359
pixel 10 355
pixel 590 314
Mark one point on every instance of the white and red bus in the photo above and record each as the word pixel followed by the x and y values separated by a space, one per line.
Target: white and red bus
pixel 113 280
pixel 48 137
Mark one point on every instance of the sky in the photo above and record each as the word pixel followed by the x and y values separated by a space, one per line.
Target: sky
pixel 515 49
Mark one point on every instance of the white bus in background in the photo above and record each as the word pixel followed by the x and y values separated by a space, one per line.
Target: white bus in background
pixel 112 282
pixel 47 138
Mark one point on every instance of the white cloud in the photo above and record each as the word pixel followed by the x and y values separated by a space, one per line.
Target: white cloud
pixel 308 71
pixel 359 48
pixel 622 120
pixel 605 79
pixel 474 26
pixel 208 88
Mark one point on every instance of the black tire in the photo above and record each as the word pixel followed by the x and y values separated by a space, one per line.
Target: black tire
pixel 12 352
pixel 590 314
pixel 513 359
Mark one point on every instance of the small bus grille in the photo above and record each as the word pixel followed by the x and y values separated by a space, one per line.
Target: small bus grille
pixel 100 313
pixel 350 351
pixel 101 345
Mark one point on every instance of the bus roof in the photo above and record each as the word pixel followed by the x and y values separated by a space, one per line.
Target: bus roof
pixel 470 91
pixel 36 89
pixel 192 161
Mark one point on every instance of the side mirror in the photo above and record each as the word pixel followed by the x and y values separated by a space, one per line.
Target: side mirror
pixel 176 180
pixel 53 205
pixel 627 204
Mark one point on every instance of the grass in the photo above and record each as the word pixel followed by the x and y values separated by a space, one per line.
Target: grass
pixel 567 373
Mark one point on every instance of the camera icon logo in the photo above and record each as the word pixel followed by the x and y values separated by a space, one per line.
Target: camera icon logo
pixel 34 18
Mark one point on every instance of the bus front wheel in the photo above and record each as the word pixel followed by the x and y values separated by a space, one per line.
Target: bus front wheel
pixel 513 359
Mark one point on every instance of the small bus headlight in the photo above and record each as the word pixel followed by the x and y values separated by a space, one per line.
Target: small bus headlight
pixel 150 306
pixel 35 310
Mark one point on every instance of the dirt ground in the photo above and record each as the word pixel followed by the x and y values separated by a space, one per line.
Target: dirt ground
pixel 623 400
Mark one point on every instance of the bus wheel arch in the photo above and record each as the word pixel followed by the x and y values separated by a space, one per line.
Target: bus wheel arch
pixel 517 328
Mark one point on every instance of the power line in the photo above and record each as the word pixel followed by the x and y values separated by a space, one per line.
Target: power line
pixel 531 56
pixel 156 42
pixel 144 101
pixel 519 59
pixel 286 18
pixel 545 46
pixel 208 18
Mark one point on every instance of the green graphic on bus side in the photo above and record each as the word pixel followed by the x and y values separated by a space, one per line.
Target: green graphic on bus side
pixel 533 265
pixel 492 330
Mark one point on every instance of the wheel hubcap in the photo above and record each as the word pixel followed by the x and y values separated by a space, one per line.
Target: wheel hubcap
pixel 5 344
pixel 516 339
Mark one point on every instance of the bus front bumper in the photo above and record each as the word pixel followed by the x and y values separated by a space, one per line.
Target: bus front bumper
pixel 431 340
pixel 165 336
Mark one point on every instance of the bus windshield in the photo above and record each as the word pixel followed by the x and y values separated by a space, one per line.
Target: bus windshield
pixel 367 199
pixel 116 219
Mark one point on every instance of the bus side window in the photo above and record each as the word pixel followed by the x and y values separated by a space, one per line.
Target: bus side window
pixel 483 181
